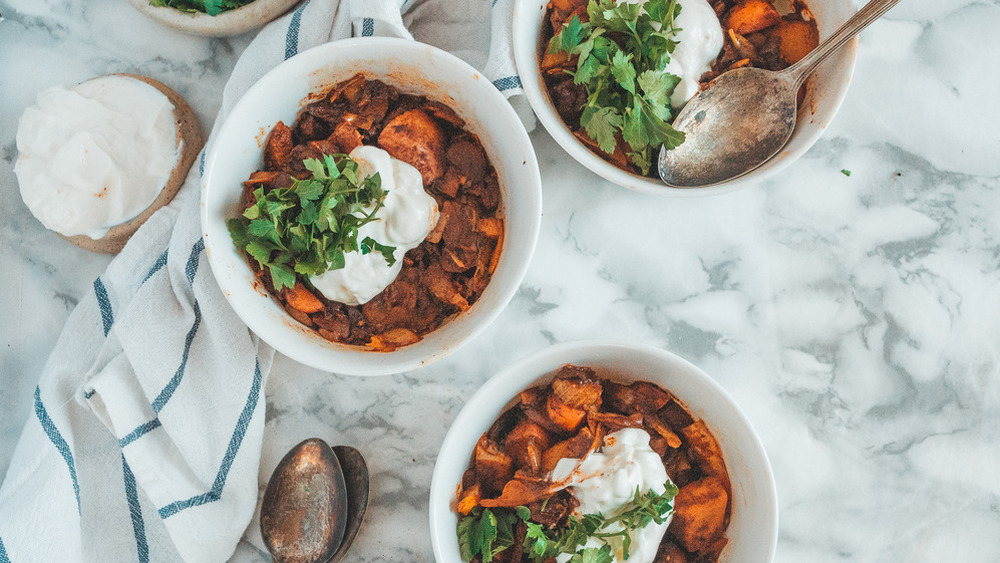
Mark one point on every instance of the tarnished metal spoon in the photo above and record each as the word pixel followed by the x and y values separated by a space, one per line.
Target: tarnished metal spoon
pixel 314 503
pixel 746 115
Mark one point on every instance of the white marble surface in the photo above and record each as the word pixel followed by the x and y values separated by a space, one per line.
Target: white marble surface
pixel 855 319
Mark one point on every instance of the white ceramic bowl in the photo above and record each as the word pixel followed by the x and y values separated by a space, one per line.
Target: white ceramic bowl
pixel 753 530
pixel 228 23
pixel 414 68
pixel 825 91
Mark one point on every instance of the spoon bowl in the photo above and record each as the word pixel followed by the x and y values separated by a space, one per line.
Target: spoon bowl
pixel 314 503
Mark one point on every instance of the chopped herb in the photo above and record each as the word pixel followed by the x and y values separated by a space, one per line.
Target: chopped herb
pixel 845 172
pixel 210 7
pixel 309 227
pixel 486 533
pixel 622 51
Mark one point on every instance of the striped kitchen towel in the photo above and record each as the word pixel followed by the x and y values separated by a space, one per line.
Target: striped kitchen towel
pixel 149 414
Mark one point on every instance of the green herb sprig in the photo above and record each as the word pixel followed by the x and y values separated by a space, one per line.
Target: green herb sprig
pixel 308 227
pixel 622 51
pixel 210 7
pixel 488 532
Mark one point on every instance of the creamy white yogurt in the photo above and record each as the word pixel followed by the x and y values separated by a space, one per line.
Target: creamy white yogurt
pixel 408 216
pixel 698 44
pixel 95 155
pixel 606 479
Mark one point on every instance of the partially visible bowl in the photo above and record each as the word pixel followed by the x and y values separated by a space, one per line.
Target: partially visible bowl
pixel 413 68
pixel 825 91
pixel 753 529
pixel 228 23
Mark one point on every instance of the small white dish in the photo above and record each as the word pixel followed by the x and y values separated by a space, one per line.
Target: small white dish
pixel 753 529
pixel 414 68
pixel 825 91
pixel 228 23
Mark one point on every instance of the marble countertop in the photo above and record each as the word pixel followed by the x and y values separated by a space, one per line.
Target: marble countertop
pixel 856 319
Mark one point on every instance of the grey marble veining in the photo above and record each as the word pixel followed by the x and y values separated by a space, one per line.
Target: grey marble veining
pixel 856 319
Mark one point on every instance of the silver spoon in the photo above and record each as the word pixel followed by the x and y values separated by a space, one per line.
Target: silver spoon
pixel 314 503
pixel 746 115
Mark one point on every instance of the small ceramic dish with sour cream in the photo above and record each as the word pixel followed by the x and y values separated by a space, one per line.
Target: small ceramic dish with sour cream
pixel 649 419
pixel 98 159
pixel 452 157
pixel 706 45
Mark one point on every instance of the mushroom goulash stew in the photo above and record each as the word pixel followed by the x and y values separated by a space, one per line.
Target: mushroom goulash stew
pixel 609 71
pixel 585 469
pixel 308 212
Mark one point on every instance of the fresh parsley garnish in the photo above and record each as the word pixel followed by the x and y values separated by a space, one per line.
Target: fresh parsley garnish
pixel 308 227
pixel 486 532
pixel 622 51
pixel 845 172
pixel 210 7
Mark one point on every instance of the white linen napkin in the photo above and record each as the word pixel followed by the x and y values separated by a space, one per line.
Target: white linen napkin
pixel 149 414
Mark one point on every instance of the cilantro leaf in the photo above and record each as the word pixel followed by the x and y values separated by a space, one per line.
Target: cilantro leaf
pixel 602 124
pixel 308 227
pixel 571 34
pixel 623 71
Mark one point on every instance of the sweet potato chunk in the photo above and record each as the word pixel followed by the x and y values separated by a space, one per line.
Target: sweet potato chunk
pixel 415 138
pixel 566 417
pixel 704 448
pixel 470 498
pixel 526 442
pixel 392 339
pixel 279 146
pixel 700 513
pixel 752 15
pixel 302 299
pixel 493 466
pixel 797 38
pixel 576 393
pixel 575 447
pixel 648 397
pixel 346 136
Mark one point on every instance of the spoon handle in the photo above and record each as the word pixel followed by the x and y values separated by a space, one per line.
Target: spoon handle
pixel 860 20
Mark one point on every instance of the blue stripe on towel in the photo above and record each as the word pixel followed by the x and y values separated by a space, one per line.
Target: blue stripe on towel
pixel 3 553
pixel 367 27
pixel 194 259
pixel 161 261
pixel 107 316
pixel 507 83
pixel 135 511
pixel 168 391
pixel 227 462
pixel 140 431
pixel 201 166
pixel 292 36
pixel 57 440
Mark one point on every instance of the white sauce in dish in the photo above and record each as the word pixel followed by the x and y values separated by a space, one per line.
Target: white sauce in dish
pixel 95 155
pixel 699 43
pixel 408 216
pixel 606 479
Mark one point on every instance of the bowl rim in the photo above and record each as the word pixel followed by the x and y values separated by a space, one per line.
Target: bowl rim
pixel 521 373
pixel 534 90
pixel 352 360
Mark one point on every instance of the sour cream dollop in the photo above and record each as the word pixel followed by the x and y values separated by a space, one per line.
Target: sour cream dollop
pixel 698 44
pixel 407 217
pixel 606 479
pixel 95 155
